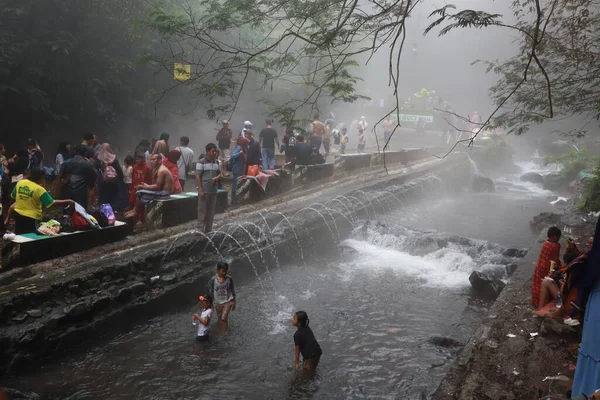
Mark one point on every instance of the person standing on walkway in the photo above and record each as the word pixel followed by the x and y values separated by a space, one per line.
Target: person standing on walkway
pixel 208 175
pixel 185 162
pixel 80 176
pixel 267 139
pixel 317 131
pixel 238 165
pixel 224 141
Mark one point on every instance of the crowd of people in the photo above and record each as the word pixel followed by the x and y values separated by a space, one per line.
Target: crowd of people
pixel 569 289
pixel 90 173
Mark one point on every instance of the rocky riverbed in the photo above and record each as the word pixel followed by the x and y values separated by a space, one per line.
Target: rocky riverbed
pixel 514 355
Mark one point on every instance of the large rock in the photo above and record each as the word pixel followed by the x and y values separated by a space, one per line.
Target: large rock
pixel 554 182
pixel 482 184
pixel 543 220
pixel 484 286
pixel 533 177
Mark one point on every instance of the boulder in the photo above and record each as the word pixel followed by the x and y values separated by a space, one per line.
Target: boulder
pixel 484 286
pixel 544 219
pixel 77 310
pixel 511 268
pixel 533 177
pixel 482 184
pixel 444 341
pixel 554 182
pixel 518 253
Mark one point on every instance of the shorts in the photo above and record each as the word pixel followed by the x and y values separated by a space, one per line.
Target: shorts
pixel 326 145
pixel 147 196
pixel 202 338
pixel 224 309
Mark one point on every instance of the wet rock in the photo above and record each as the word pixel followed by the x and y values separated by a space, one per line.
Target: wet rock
pixel 554 182
pixel 20 317
pixel 169 278
pixel 124 294
pixel 14 394
pixel 77 310
pixel 555 327
pixel 481 184
pixel 544 219
pixel 533 177
pixel 101 303
pixel 139 288
pixel 511 268
pixel 30 334
pixel 34 313
pixel 444 341
pixel 515 253
pixel 485 286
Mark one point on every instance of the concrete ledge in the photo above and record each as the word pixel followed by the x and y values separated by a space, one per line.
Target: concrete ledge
pixel 32 248
pixel 180 208
pixel 350 162
pixel 316 172
pixel 276 185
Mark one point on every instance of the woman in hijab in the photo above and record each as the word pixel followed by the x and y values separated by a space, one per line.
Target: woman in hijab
pixel 111 187
pixel 171 163
pixel 587 373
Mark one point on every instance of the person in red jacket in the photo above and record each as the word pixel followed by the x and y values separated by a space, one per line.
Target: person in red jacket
pixel 171 163
pixel 142 173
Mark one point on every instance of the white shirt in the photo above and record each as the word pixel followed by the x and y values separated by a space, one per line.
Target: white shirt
pixel 185 161
pixel 127 174
pixel 203 329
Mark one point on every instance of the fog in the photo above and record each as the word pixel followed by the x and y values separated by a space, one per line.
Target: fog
pixel 124 106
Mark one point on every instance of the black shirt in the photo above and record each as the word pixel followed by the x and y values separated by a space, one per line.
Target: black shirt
pixel 268 136
pixel 254 156
pixel 309 347
pixel 303 154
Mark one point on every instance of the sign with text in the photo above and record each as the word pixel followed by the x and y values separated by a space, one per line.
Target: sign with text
pixel 428 119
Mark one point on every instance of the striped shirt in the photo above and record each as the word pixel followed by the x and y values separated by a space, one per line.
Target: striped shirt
pixel 207 170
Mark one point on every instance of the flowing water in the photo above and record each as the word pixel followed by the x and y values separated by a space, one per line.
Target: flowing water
pixel 373 305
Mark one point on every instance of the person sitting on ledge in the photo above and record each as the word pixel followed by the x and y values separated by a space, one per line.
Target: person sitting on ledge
pixel 303 151
pixel 550 251
pixel 161 188
pixel 29 198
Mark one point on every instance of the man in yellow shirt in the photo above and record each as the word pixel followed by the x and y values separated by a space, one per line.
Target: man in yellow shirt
pixel 29 198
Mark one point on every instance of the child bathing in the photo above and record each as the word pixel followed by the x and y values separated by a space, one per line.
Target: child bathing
pixel 221 288
pixel 305 342
pixel 203 320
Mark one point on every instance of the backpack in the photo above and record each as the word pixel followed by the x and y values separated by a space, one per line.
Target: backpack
pixel 108 212
pixel 110 174
pixel 100 218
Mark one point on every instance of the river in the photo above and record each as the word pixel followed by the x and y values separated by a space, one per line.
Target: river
pixel 374 304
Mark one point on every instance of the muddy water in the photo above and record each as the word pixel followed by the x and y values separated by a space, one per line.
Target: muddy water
pixel 373 307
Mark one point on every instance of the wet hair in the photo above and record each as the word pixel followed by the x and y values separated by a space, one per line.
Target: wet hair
pixel 88 137
pixel 210 147
pixel 208 298
pixel 554 232
pixel 316 117
pixel 185 140
pixel 165 136
pixel 35 174
pixel 300 138
pixel 222 265
pixel 129 160
pixel 302 318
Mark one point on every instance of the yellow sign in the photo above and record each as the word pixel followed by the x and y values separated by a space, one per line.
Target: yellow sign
pixel 182 72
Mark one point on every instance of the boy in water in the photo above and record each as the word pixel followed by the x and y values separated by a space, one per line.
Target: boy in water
pixel 222 289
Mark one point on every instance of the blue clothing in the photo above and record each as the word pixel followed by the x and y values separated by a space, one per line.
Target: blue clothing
pixel 238 164
pixel 268 158
pixel 587 373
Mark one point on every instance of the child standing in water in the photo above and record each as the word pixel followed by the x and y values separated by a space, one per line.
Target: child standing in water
pixel 203 320
pixel 305 343
pixel 222 289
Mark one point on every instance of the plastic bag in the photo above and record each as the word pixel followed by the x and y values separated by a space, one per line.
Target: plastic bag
pixel 109 213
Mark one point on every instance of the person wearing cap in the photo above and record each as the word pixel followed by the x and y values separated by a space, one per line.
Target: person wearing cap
pixel 247 127
pixel 224 142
